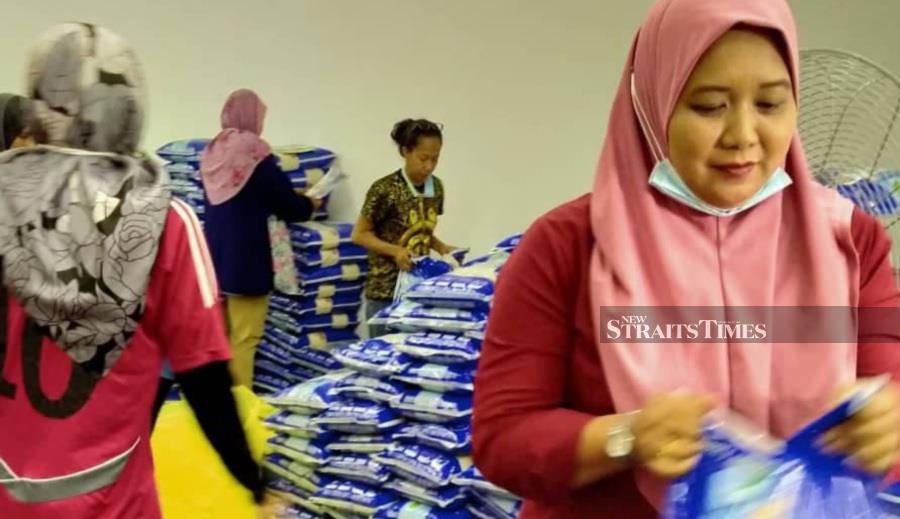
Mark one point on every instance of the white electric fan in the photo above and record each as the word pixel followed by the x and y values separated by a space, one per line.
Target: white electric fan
pixel 850 126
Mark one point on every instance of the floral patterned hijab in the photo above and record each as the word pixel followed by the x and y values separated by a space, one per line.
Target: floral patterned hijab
pixel 80 219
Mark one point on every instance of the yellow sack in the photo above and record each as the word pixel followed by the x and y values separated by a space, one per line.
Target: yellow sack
pixel 193 482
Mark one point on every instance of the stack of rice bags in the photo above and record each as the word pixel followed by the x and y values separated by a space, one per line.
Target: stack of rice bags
pixel 303 328
pixel 388 433
pixel 433 365
pixel 304 165
pixel 183 165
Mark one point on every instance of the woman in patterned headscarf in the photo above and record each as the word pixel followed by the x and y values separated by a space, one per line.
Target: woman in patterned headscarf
pixel 15 122
pixel 105 276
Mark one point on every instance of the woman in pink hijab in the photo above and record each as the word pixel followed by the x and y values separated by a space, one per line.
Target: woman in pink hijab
pixel 245 186
pixel 703 206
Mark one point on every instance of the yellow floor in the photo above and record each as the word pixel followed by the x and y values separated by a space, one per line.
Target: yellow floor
pixel 193 482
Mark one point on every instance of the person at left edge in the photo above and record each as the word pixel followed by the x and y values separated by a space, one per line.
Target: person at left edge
pixel 104 278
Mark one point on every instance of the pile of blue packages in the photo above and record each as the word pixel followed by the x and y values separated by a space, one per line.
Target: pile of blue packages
pixel 183 165
pixel 304 165
pixel 874 196
pixel 385 430
pixel 303 329
pixel 426 370
pixel 455 303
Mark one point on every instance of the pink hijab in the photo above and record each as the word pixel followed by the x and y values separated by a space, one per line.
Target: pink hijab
pixel 233 155
pixel 794 249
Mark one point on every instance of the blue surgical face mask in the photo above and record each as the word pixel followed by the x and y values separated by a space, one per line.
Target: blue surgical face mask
pixel 428 188
pixel 668 182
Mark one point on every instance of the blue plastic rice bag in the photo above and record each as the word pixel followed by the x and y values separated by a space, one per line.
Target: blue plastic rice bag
pixel 346 272
pixel 361 443
pixel 357 467
pixel 300 507
pixel 364 387
pixel 298 512
pixel 265 387
pixel 359 417
pixel 744 474
pixel 429 468
pixel 329 290
pixel 452 437
pixel 454 291
pixel 294 424
pixel 417 510
pixel 439 377
pixel 316 360
pixel 441 498
pixel 305 306
pixel 269 383
pixel 408 316
pixel 302 476
pixel 871 196
pixel 302 450
pixel 423 268
pixel 345 253
pixel 377 357
pixel 184 171
pixel 273 353
pixel 321 340
pixel 299 326
pixel 317 235
pixel 428 406
pixel 440 348
pixel 484 505
pixel 309 397
pixel 472 478
pixel 470 287
pixel 310 358
pixel 276 369
pixel 353 497
pixel 188 150
pixel 509 244
pixel 303 374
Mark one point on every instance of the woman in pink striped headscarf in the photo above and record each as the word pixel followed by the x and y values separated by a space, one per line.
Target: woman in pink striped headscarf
pixel 245 186
pixel 703 199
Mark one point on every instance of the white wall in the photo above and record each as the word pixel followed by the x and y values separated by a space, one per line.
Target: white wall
pixel 523 86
